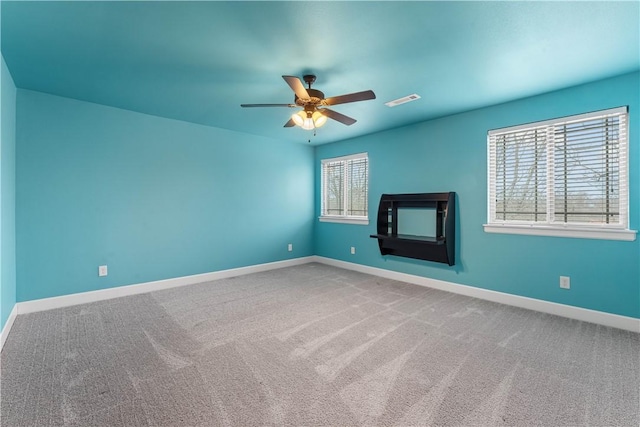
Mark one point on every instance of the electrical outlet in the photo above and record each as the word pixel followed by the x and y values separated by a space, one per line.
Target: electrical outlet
pixel 290 247
pixel 102 270
pixel 565 282
pixel 353 250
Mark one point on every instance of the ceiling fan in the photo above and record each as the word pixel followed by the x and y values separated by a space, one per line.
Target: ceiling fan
pixel 314 112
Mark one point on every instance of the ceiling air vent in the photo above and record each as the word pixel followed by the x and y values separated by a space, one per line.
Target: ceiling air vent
pixel 402 100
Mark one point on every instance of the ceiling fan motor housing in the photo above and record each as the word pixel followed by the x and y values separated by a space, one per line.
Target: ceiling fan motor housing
pixel 315 98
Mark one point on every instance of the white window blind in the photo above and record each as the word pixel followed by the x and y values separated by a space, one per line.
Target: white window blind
pixel 519 181
pixel 587 185
pixel 357 183
pixel 333 188
pixel 567 172
pixel 345 182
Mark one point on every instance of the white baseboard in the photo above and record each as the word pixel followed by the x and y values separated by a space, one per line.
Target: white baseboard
pixel 592 316
pixel 141 288
pixel 7 326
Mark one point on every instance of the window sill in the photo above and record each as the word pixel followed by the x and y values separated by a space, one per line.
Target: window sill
pixel 561 231
pixel 345 220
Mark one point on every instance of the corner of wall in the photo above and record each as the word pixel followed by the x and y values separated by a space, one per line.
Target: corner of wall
pixel 7 199
pixel 6 328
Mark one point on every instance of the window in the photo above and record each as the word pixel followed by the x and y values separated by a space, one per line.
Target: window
pixel 562 177
pixel 345 188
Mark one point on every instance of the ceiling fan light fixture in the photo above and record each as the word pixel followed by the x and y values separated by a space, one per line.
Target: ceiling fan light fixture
pixel 299 118
pixel 303 119
pixel 309 121
pixel 319 119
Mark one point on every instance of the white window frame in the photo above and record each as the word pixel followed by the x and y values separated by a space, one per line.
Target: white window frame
pixel 549 227
pixel 344 218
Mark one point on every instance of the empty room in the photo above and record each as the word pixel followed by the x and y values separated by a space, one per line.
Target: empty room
pixel 310 213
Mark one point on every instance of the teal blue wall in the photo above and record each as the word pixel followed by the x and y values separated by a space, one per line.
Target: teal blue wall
pixel 155 198
pixel 150 197
pixel 8 192
pixel 449 154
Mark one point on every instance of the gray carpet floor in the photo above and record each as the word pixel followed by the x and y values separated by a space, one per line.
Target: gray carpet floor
pixel 314 345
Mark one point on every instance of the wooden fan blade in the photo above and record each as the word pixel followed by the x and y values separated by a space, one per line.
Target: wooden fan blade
pixel 290 124
pixel 346 120
pixel 352 97
pixel 268 105
pixel 296 85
